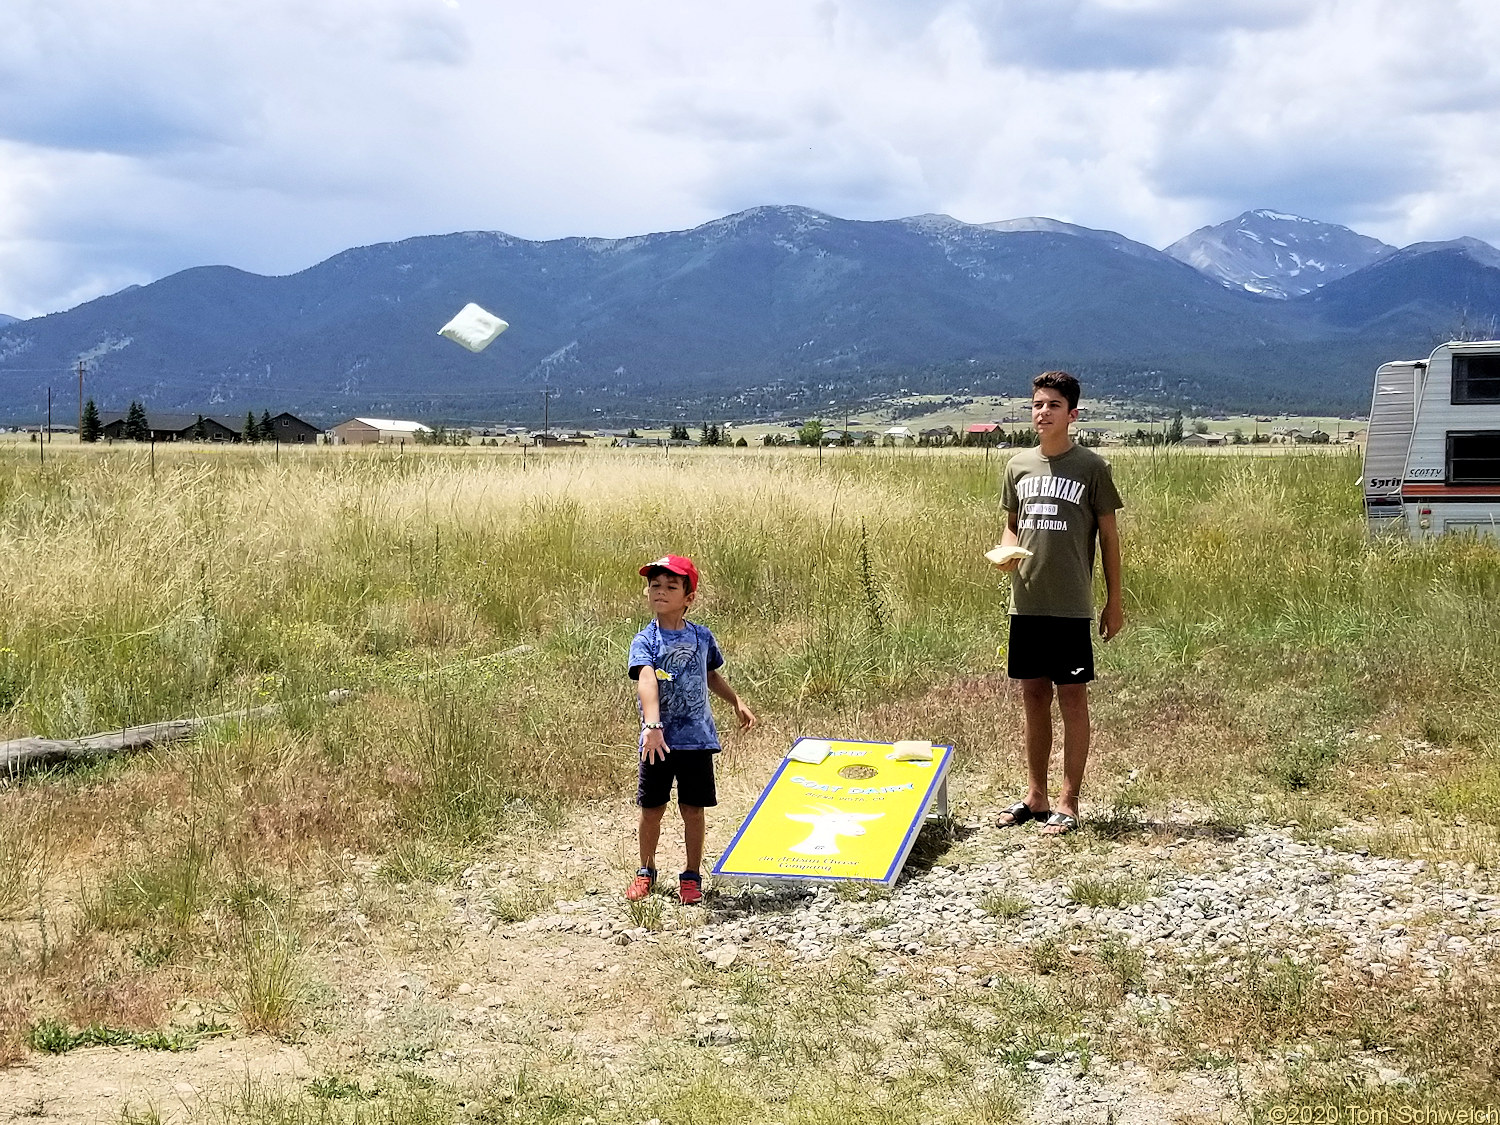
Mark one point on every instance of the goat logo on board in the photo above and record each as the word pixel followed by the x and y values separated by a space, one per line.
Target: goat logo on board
pixel 828 824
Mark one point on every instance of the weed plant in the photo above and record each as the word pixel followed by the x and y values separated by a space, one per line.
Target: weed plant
pixel 1090 891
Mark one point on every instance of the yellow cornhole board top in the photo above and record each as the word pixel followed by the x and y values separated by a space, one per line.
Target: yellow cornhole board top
pixel 837 819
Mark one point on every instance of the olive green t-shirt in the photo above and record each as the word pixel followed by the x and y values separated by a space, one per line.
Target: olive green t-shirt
pixel 1058 502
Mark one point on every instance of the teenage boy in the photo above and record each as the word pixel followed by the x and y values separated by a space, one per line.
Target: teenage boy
pixel 1057 497
pixel 675 664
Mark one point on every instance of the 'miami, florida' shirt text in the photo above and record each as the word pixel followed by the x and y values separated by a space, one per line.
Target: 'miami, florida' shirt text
pixel 1058 502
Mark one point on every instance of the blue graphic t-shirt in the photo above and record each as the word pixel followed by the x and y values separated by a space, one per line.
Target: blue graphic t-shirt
pixel 683 659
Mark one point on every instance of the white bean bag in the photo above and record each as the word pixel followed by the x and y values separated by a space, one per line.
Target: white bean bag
pixel 474 328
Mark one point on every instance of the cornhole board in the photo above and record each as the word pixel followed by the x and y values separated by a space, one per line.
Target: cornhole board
pixel 855 815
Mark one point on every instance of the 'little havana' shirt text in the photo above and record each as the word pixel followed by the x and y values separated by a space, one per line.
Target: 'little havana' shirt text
pixel 1035 515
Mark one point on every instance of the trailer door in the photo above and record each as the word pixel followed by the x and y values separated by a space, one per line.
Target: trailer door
pixel 1392 412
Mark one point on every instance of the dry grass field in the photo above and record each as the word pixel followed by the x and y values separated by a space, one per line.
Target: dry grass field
pixel 406 908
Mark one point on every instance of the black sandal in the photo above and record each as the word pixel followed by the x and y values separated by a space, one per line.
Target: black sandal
pixel 1020 813
pixel 1060 824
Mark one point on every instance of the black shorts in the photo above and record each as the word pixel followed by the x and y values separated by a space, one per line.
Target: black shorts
pixel 1060 649
pixel 693 771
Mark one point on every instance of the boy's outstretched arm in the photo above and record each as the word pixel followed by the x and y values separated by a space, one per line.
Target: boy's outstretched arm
pixel 1112 619
pixel 1010 539
pixel 654 744
pixel 721 687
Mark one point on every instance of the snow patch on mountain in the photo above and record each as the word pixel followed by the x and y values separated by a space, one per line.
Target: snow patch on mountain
pixel 933 223
pixel 105 346
pixel 1276 254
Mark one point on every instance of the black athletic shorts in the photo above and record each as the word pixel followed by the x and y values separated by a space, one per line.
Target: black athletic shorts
pixel 1060 649
pixel 692 769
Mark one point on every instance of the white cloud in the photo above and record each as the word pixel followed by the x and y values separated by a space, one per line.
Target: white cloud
pixel 138 137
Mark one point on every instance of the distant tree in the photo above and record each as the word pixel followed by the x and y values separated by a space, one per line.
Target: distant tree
pixel 1237 436
pixel 136 427
pixel 679 433
pixel 768 439
pixel 741 443
pixel 631 433
pixel 252 427
pixel 715 435
pixel 811 432
pixel 91 428
pixel 267 431
pixel 1200 426
pixel 200 431
pixel 1174 428
pixel 846 439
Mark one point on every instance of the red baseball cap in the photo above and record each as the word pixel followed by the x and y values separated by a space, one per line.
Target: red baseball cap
pixel 674 564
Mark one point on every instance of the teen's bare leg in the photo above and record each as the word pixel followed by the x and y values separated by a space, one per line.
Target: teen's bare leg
pixel 1036 699
pixel 1073 702
pixel 649 833
pixel 693 829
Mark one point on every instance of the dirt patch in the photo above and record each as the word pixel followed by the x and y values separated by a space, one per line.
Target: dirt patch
pixel 100 1083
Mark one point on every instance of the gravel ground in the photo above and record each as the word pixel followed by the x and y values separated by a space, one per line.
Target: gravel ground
pixel 1211 901
pixel 1214 900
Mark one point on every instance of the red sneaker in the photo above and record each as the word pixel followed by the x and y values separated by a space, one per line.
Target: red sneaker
pixel 641 885
pixel 690 888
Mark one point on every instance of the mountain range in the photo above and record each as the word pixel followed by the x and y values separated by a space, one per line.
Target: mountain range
pixel 773 311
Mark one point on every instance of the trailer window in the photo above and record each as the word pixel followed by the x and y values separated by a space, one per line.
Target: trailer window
pixel 1476 379
pixel 1474 458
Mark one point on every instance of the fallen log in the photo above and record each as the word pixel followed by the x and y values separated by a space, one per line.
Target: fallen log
pixel 23 753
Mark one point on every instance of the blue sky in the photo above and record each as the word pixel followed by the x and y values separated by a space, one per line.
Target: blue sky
pixel 140 137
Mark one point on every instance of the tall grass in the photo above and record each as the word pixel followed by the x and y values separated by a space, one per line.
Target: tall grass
pixel 481 608
pixel 228 578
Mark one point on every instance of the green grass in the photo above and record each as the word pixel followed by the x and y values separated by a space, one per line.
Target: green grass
pixel 270 988
pixel 51 1037
pixel 1002 904
pixel 479 611
pixel 1090 891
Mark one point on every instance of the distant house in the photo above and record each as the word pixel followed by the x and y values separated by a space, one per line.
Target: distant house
pixel 1204 439
pixel 377 431
pixel 982 428
pixel 172 427
pixel 897 435
pixel 291 430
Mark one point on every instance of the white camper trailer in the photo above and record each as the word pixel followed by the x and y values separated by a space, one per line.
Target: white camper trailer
pixel 1432 458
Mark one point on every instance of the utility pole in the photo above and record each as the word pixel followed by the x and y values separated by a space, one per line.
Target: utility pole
pixel 547 393
pixel 49 414
pixel 80 401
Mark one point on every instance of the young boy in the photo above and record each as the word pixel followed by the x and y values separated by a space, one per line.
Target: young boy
pixel 1057 498
pixel 672 662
